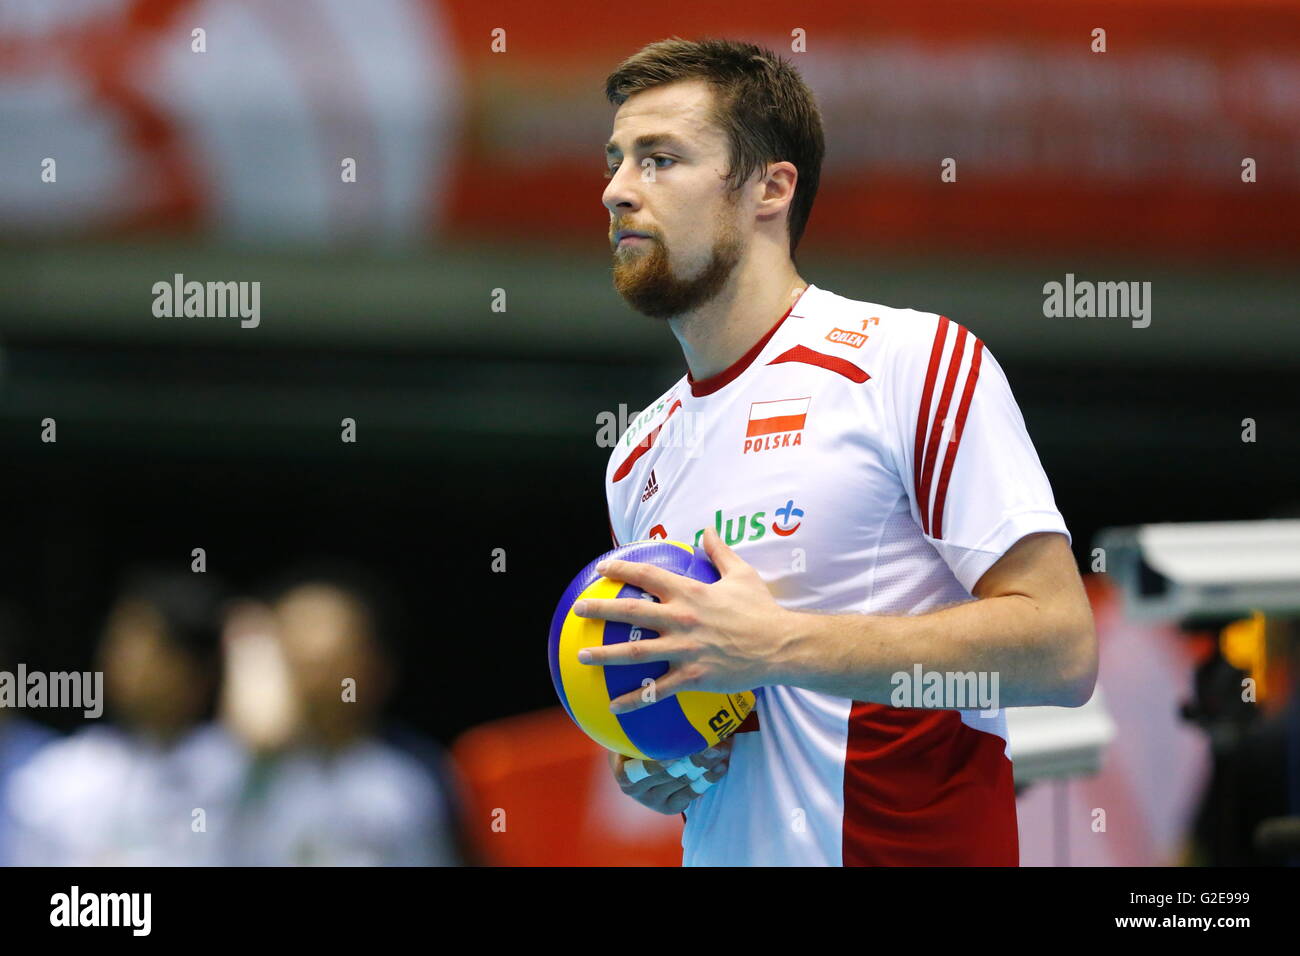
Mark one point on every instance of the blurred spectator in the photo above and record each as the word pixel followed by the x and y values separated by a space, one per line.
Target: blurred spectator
pixel 148 789
pixel 20 738
pixel 325 789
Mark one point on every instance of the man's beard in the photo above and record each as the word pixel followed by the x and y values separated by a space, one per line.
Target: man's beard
pixel 645 280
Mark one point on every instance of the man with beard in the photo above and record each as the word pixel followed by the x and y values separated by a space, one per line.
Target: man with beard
pixel 891 522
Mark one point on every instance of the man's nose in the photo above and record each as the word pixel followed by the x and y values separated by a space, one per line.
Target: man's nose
pixel 622 195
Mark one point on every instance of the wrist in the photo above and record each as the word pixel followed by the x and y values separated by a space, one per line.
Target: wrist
pixel 790 663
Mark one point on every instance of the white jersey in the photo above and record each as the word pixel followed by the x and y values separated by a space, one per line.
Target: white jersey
pixel 103 797
pixel 370 804
pixel 868 460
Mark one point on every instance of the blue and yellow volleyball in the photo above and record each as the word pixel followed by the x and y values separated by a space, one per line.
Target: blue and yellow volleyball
pixel 674 727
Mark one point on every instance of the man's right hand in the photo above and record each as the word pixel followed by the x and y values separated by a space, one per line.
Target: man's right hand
pixel 659 789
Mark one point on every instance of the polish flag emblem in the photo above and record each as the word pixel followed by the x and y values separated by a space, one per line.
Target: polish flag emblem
pixel 786 415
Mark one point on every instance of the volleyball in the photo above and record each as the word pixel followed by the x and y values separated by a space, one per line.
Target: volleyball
pixel 668 729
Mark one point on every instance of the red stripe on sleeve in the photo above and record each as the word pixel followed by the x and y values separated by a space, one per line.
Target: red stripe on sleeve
pixel 923 417
pixel 951 454
pixel 936 425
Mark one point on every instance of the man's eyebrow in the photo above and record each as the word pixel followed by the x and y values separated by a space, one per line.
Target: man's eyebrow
pixel 646 141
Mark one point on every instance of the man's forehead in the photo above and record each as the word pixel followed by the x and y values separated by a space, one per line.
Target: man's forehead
pixel 676 112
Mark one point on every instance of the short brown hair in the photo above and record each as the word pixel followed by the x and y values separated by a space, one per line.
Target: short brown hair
pixel 760 101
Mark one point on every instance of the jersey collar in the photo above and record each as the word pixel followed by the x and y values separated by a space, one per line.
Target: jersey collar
pixel 707 386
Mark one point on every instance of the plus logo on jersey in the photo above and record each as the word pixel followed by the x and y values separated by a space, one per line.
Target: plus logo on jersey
pixel 776 424
pixel 754 527
pixel 787 514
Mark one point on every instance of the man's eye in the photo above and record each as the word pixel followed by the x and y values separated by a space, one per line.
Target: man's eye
pixel 611 170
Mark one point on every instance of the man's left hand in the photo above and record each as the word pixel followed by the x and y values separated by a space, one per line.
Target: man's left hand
pixel 723 637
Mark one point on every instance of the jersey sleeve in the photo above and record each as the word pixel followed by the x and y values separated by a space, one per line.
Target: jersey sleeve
pixel 961 448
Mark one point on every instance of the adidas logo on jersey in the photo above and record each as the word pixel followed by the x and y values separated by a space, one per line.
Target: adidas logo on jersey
pixel 651 487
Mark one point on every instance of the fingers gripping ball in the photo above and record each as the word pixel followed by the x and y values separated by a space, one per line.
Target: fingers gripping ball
pixel 674 727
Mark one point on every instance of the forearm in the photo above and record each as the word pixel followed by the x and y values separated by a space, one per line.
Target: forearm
pixel 1037 655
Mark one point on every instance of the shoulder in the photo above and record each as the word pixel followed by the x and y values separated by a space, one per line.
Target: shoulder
pixel 872 328
pixel 891 345
pixel 421 753
pixel 67 770
pixel 625 429
pixel 89 746
pixel 397 778
pixel 20 738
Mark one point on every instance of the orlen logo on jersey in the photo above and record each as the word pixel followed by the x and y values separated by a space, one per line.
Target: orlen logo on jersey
pixel 755 526
pixel 845 337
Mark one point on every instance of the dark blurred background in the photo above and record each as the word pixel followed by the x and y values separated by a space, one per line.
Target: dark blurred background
pixel 165 447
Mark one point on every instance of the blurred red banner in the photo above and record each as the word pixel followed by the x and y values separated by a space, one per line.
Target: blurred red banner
pixel 488 120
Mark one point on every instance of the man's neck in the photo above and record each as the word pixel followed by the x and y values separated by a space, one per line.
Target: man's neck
pixel 714 336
